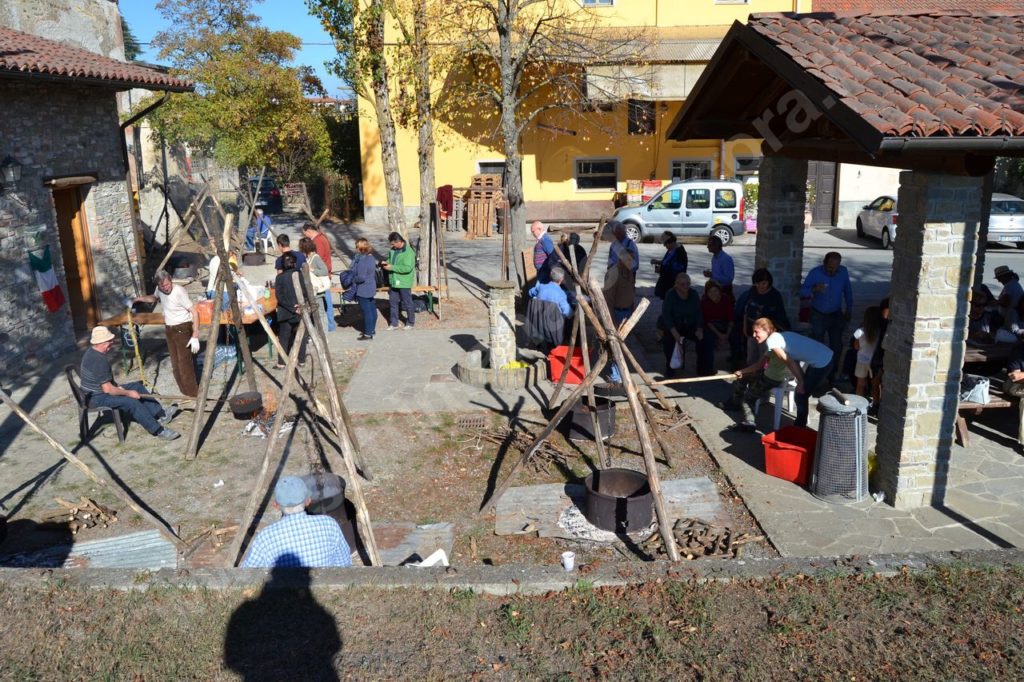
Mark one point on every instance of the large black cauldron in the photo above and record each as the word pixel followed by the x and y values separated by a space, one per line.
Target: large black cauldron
pixel 618 500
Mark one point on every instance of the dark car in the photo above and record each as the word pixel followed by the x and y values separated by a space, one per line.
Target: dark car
pixel 269 198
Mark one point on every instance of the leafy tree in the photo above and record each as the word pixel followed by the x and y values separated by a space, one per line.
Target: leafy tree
pixel 363 63
pixel 249 107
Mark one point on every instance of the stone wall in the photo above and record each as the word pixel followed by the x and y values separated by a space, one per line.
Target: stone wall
pixel 59 131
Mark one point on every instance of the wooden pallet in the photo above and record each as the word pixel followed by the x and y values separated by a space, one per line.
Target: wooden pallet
pixel 482 217
pixel 486 180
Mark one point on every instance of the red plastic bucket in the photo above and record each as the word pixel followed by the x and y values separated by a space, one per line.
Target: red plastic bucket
pixel 556 361
pixel 789 453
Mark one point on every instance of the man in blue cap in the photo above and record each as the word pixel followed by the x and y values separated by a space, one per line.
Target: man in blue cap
pixel 298 539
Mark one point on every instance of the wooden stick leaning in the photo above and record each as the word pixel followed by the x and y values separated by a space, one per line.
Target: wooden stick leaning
pixel 602 360
pixel 66 454
pixel 236 311
pixel 135 347
pixel 185 223
pixel 632 395
pixel 260 486
pixel 603 455
pixel 348 452
pixel 694 380
pixel 192 448
pixel 319 334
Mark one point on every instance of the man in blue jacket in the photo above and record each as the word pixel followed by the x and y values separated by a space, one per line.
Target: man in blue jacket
pixel 828 286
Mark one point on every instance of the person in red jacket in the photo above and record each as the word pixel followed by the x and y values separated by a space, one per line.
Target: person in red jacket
pixel 323 249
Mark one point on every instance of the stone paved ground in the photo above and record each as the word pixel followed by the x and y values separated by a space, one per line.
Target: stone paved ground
pixel 411 372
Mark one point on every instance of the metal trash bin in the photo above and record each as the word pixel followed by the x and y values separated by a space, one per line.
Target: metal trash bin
pixel 840 460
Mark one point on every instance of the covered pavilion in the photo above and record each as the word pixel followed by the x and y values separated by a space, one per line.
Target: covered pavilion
pixel 938 94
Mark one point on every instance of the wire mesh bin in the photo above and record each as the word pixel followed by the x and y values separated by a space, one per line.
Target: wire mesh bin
pixel 841 460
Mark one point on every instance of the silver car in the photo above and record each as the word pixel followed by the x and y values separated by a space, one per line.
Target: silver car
pixel 1006 220
pixel 692 208
pixel 879 219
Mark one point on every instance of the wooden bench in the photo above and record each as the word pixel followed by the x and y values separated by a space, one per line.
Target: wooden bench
pixel 429 290
pixel 997 400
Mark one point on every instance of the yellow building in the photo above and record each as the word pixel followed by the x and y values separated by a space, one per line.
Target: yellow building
pixel 573 165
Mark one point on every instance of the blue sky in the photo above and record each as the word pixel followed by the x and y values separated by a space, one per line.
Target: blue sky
pixel 282 15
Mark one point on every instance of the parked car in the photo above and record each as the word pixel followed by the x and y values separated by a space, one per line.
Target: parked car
pixel 269 198
pixel 1006 219
pixel 879 220
pixel 692 208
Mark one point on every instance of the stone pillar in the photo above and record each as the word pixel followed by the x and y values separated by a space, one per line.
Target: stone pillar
pixel 501 322
pixel 933 260
pixel 780 226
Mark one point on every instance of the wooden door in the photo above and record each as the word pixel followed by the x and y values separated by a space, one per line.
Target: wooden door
pixel 823 175
pixel 77 255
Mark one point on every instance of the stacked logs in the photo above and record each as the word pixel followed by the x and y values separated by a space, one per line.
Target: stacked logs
pixel 85 513
pixel 699 538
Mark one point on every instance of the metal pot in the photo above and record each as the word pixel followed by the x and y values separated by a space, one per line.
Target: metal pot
pixel 185 272
pixel 245 405
pixel 618 500
pixel 327 492
pixel 582 428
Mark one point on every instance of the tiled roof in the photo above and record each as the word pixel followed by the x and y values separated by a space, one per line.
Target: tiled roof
pixel 25 55
pixel 915 6
pixel 927 75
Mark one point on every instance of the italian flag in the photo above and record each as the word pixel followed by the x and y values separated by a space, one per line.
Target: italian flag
pixel 53 297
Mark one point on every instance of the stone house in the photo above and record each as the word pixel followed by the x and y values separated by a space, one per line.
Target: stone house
pixel 61 132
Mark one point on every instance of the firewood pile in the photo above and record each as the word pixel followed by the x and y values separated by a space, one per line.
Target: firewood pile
pixel 698 539
pixel 543 459
pixel 85 513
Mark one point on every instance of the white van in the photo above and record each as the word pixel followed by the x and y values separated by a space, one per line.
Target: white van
pixel 692 208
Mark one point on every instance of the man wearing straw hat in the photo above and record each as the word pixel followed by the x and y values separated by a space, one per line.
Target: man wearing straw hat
pixel 100 389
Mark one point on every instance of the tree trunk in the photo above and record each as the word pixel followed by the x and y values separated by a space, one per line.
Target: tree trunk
pixel 385 119
pixel 510 133
pixel 425 117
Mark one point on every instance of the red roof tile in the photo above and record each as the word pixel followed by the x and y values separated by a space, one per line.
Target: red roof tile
pixel 22 54
pixel 914 6
pixel 919 75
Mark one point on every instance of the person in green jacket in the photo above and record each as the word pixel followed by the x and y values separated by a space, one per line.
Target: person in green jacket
pixel 401 269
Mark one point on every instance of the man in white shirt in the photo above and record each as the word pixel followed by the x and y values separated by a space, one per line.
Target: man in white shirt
pixel 182 335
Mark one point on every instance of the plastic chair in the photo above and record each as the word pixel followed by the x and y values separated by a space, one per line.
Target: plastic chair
pixel 785 392
pixel 269 242
pixel 84 408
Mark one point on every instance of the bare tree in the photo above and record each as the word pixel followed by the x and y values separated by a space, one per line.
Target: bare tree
pixel 525 57
pixel 362 62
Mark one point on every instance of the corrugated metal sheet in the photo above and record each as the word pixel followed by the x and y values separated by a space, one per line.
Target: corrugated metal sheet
pixel 145 549
pixel 684 50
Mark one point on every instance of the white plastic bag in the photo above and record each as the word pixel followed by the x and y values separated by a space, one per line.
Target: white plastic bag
pixel 974 389
pixel 677 356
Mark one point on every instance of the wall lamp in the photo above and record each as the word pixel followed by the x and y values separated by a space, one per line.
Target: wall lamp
pixel 10 172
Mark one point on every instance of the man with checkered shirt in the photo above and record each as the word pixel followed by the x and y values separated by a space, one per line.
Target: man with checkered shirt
pixel 298 539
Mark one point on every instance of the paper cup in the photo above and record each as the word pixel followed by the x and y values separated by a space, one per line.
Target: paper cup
pixel 568 560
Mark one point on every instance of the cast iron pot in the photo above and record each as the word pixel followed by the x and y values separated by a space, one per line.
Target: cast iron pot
pixel 245 405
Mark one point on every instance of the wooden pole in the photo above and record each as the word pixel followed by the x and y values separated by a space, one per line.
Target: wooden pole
pixel 192 449
pixel 320 334
pixel 122 494
pixel 568 358
pixel 348 451
pixel 649 411
pixel 236 312
pixel 135 346
pixel 603 455
pixel 694 380
pixel 260 487
pixel 442 265
pixel 632 395
pixel 548 430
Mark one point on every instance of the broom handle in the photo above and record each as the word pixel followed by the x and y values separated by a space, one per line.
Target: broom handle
pixel 692 380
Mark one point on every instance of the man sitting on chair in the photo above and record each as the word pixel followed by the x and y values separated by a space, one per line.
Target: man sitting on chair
pixel 549 307
pixel 260 226
pixel 100 390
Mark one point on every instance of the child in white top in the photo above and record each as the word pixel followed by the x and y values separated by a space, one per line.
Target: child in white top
pixel 864 340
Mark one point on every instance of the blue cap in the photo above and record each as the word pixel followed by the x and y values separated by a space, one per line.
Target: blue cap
pixel 290 491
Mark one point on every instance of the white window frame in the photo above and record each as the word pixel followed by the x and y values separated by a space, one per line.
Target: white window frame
pixel 597 3
pixel 732 2
pixel 481 162
pixel 710 163
pixel 595 159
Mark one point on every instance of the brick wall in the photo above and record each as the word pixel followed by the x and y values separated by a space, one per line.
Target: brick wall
pixel 58 131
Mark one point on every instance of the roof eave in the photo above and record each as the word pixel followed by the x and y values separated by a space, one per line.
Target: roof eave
pixel 116 85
